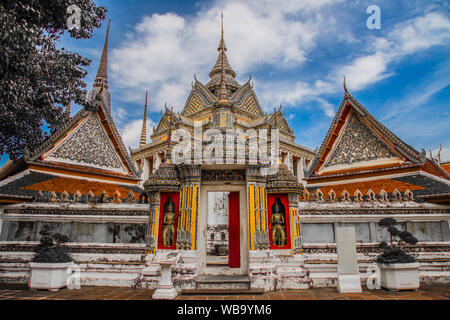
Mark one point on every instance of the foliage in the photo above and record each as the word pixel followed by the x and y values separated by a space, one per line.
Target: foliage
pixel 50 249
pixel 36 77
pixel 394 253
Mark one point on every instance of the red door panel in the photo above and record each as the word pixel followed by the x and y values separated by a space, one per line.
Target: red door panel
pixel 234 243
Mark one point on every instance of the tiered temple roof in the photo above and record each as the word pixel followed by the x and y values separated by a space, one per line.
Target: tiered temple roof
pixel 360 156
pixel 222 91
pixel 84 159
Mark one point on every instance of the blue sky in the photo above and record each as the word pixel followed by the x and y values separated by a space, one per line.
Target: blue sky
pixel 297 53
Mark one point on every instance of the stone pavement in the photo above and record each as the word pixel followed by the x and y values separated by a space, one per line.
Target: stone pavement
pixel 20 292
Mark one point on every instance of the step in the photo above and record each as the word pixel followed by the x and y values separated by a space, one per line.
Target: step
pixel 220 291
pixel 223 282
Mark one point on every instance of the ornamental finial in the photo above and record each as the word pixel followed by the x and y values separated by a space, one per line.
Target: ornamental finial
pixel 222 41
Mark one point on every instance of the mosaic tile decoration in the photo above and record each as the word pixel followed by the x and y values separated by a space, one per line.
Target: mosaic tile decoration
pixel 89 144
pixel 358 144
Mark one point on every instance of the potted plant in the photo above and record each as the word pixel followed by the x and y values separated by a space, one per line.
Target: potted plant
pixel 398 270
pixel 49 267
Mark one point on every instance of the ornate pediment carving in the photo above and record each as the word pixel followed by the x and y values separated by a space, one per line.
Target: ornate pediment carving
pixel 357 144
pixel 90 145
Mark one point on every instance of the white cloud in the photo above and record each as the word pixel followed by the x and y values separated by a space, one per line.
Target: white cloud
pixel 406 38
pixel 364 71
pixel 420 33
pixel 164 51
pixel 131 132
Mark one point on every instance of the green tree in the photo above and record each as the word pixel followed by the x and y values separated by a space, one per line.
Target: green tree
pixel 36 77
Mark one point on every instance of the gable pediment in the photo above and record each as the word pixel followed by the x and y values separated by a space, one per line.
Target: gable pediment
pixel 162 125
pixel 193 105
pixel 87 144
pixel 357 145
pixel 199 99
pixel 278 120
pixel 245 98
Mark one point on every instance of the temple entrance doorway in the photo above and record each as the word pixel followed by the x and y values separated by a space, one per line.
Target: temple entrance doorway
pixel 222 231
pixel 222 238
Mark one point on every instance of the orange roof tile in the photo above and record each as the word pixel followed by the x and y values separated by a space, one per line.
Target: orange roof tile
pixel 446 167
pixel 388 185
pixel 60 184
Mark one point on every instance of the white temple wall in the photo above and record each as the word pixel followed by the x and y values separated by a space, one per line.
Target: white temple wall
pixel 322 266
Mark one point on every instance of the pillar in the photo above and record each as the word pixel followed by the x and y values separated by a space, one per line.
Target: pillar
pixel 296 241
pixel 152 226
pixel 258 231
pixel 189 207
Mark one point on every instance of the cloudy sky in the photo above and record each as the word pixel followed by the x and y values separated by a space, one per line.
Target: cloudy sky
pixel 297 52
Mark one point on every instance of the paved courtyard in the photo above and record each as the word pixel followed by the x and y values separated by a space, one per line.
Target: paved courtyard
pixel 20 292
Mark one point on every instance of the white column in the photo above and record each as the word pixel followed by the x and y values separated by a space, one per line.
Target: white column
pixel 146 168
pixel 300 173
pixel 289 161
pixel 158 161
pixel 154 162
pixel 1 221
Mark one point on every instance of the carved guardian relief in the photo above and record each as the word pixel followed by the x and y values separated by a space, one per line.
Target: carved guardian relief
pixel 278 223
pixel 89 144
pixel 358 144
pixel 168 225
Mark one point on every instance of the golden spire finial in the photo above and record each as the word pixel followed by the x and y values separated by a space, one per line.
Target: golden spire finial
pixel 222 45
pixel 143 141
pixel 102 72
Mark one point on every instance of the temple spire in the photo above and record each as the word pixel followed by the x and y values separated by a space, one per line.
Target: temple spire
pixel 223 93
pixel 168 155
pixel 144 124
pixel 222 68
pixel 222 46
pixel 102 74
pixel 100 87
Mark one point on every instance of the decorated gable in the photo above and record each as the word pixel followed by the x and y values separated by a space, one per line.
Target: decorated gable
pixel 193 105
pixel 163 125
pixel 199 99
pixel 357 144
pixel 250 105
pixel 278 120
pixel 87 144
pixel 245 99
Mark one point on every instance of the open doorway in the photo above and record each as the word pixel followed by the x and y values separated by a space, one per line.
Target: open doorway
pixel 217 229
pixel 222 231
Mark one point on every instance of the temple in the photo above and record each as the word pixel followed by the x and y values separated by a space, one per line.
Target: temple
pixel 225 185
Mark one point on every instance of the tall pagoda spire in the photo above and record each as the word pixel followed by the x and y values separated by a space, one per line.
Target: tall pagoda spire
pixel 222 68
pixel 101 79
pixel 144 124
pixel 222 94
pixel 102 73
pixel 222 46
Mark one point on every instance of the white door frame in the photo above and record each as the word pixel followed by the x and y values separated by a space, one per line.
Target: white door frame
pixel 202 226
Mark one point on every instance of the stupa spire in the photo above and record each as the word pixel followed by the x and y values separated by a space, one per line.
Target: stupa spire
pixel 102 73
pixel 222 46
pixel 100 87
pixel 168 156
pixel 222 94
pixel 222 66
pixel 144 124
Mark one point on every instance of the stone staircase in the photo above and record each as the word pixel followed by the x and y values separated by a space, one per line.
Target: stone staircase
pixel 222 284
